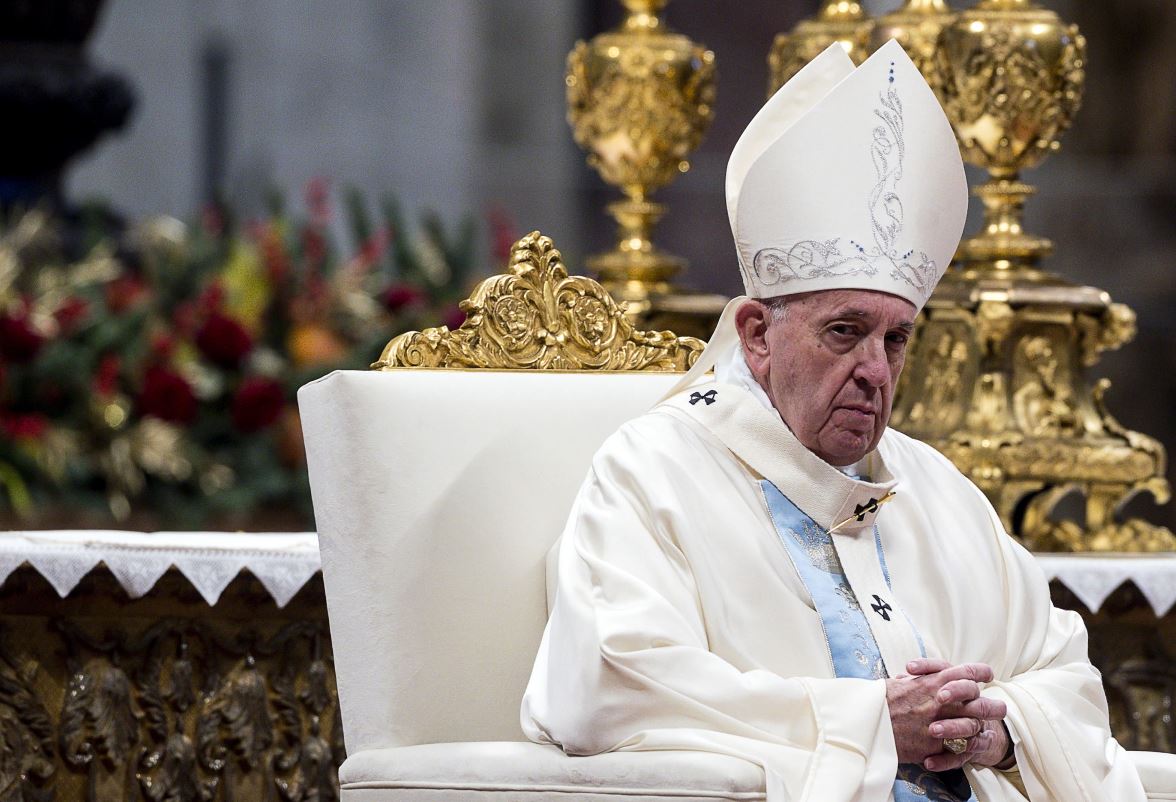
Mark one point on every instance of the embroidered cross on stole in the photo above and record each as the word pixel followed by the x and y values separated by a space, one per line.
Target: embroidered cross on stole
pixel 852 647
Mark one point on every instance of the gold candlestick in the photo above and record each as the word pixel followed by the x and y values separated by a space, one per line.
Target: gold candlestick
pixel 640 99
pixel 838 21
pixel 916 26
pixel 1010 75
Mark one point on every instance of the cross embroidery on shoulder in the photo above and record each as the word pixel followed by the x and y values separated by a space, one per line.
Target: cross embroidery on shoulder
pixel 708 397
pixel 881 607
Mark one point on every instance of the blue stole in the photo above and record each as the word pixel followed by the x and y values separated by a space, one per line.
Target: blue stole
pixel 852 647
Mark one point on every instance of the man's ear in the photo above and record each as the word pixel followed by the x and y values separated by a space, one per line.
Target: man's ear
pixel 751 321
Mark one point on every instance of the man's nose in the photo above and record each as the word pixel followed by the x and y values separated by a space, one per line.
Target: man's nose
pixel 872 367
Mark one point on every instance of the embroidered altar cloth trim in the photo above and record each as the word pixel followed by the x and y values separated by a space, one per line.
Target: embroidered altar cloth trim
pixel 1092 578
pixel 285 562
pixel 282 562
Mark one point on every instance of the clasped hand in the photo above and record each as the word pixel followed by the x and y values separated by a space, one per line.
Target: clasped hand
pixel 938 700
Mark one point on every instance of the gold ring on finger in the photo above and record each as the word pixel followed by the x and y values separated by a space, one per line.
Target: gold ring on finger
pixel 957 746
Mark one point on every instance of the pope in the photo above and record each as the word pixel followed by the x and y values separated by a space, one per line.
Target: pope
pixel 760 567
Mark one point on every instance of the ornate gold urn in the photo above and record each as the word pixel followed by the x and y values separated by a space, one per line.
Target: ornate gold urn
pixel 916 26
pixel 838 21
pixel 1010 75
pixel 997 378
pixel 640 99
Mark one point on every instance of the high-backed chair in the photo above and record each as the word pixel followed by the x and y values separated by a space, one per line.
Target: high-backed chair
pixel 440 483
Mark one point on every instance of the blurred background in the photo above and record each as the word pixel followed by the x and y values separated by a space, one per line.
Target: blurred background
pixel 449 115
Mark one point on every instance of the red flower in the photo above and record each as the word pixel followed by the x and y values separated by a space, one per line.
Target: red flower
pixel 19 341
pixel 70 313
pixel 223 340
pixel 162 346
pixel 124 292
pixel 400 296
pixel 167 396
pixel 28 426
pixel 106 377
pixel 258 403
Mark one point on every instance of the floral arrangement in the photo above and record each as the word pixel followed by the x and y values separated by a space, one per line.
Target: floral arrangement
pixel 149 380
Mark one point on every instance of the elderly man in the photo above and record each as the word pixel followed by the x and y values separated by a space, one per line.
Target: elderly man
pixel 759 567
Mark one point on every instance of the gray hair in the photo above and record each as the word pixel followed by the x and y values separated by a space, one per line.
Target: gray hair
pixel 777 307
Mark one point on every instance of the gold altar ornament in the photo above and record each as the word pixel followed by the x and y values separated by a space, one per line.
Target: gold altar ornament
pixel 1010 75
pixel 840 21
pixel 537 317
pixel 640 99
pixel 916 26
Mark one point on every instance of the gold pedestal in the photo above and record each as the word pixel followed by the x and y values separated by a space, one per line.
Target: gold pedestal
pixel 640 99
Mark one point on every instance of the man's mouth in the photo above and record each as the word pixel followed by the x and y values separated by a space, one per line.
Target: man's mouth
pixel 865 409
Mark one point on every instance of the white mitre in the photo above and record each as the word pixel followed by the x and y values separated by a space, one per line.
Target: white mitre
pixel 848 178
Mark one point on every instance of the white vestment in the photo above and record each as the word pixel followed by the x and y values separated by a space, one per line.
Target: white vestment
pixel 680 621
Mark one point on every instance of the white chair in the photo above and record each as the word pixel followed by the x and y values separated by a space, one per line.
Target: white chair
pixel 438 494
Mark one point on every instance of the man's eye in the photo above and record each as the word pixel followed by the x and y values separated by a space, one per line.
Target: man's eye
pixel 842 330
pixel 897 339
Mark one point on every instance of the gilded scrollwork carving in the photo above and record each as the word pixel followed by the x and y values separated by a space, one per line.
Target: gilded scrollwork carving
pixel 1000 388
pixel 167 710
pixel 537 317
pixel 26 733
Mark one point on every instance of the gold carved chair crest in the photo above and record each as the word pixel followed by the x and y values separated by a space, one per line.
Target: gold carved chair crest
pixel 537 317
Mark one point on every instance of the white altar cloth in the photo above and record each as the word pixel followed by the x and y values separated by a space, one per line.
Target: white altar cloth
pixel 282 562
pixel 285 562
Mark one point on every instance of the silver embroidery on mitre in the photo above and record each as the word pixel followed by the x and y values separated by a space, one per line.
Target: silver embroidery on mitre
pixel 815 259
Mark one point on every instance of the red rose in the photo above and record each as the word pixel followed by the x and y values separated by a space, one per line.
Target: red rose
pixel 223 340
pixel 28 426
pixel 124 292
pixel 167 395
pixel 258 403
pixel 19 341
pixel 401 296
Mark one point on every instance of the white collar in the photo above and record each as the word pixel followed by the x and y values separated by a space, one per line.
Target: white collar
pixel 758 436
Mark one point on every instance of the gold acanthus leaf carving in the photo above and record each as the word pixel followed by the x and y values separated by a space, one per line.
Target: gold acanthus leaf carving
pixel 537 317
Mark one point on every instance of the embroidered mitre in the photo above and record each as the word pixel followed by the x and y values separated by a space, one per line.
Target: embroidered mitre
pixel 848 179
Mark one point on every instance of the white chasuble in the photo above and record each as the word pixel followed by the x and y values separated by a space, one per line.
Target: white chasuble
pixel 682 620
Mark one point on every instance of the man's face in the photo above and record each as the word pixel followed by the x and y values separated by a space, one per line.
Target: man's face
pixel 830 365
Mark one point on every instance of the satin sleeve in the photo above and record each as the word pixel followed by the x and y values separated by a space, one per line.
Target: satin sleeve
pixel 624 663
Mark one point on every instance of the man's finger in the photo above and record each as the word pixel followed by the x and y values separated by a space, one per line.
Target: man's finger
pixel 984 709
pixel 926 665
pixel 960 690
pixel 946 761
pixel 956 728
pixel 977 672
